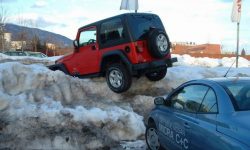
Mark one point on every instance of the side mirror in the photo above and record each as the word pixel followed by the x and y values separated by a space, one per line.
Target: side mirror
pixel 76 45
pixel 159 101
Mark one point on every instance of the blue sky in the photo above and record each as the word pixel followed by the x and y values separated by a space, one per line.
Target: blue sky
pixel 200 21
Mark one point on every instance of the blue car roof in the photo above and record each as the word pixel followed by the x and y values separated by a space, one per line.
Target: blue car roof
pixel 220 80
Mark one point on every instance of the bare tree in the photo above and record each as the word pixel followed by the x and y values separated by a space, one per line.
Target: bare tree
pixel 23 34
pixel 34 34
pixel 34 42
pixel 243 52
pixel 3 20
pixel 50 45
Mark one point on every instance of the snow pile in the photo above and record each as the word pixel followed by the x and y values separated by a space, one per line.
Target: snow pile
pixel 42 109
pixel 39 104
pixel 180 74
pixel 28 59
pixel 210 62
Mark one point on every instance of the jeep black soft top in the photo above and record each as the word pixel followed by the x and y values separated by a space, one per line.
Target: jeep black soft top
pixel 138 24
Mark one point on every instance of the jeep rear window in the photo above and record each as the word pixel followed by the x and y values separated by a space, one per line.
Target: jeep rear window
pixel 141 24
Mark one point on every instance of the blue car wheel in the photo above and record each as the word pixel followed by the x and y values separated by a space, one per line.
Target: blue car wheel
pixel 152 138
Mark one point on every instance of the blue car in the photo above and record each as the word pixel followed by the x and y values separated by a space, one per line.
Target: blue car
pixel 207 114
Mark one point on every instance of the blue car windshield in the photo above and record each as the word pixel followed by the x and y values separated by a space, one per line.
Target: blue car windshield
pixel 240 91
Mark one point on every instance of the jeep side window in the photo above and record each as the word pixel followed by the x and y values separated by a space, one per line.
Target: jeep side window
pixel 87 37
pixel 112 31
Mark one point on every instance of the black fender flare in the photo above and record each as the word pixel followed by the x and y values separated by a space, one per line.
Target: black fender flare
pixel 60 67
pixel 117 54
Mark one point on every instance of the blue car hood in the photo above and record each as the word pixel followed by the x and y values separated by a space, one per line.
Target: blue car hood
pixel 238 127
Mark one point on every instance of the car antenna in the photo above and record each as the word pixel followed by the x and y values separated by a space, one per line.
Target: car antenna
pixel 229 69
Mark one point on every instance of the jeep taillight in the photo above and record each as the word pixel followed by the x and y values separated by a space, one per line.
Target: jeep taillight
pixel 139 49
pixel 139 46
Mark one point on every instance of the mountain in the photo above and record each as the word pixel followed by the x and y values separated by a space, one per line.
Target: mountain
pixel 44 36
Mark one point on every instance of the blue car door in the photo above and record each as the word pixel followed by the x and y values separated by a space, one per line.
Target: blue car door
pixel 176 121
pixel 171 130
pixel 205 129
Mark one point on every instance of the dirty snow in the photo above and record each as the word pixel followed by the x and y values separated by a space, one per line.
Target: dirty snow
pixel 28 59
pixel 42 109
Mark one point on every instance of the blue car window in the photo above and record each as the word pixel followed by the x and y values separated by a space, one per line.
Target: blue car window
pixel 209 104
pixel 189 98
pixel 239 92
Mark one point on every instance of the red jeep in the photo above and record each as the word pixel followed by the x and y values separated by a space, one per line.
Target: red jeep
pixel 118 48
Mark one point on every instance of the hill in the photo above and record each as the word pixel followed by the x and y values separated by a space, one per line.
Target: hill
pixel 43 35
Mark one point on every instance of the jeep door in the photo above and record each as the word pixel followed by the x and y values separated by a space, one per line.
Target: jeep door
pixel 87 55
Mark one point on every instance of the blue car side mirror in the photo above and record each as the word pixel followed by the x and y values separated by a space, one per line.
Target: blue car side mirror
pixel 159 101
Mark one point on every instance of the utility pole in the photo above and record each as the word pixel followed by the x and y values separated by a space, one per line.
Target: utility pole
pixel 237 47
pixel 235 17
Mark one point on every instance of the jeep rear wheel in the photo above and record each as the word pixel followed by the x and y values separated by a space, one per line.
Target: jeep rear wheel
pixel 157 75
pixel 118 78
pixel 158 43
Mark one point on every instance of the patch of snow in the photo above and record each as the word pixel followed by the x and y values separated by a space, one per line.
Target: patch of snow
pixel 133 145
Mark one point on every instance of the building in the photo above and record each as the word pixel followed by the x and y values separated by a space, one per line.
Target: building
pixel 192 48
pixel 17 44
pixel 7 37
pixel 50 46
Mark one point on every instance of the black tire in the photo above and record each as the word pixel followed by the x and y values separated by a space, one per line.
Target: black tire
pixel 118 78
pixel 150 135
pixel 158 43
pixel 157 75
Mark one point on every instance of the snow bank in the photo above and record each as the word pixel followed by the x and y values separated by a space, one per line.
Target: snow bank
pixel 180 74
pixel 42 109
pixel 28 59
pixel 188 60
pixel 37 104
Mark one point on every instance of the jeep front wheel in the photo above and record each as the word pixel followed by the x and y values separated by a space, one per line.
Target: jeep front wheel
pixel 118 78
pixel 157 75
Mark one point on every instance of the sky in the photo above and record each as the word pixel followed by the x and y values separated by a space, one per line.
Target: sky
pixel 199 21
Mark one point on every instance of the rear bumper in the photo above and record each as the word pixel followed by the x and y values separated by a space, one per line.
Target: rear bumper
pixel 154 64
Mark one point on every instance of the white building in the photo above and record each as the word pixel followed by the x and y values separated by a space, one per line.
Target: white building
pixel 7 37
pixel 17 44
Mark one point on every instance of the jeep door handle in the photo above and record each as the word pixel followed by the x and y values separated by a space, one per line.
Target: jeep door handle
pixel 186 125
pixel 93 47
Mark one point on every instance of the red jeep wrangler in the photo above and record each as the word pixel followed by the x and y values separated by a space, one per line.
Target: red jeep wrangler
pixel 118 48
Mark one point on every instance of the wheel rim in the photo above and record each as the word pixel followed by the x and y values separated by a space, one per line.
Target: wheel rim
pixel 162 42
pixel 115 78
pixel 152 139
pixel 154 74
